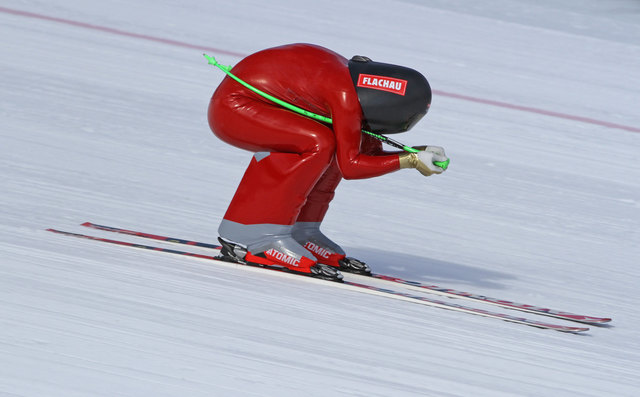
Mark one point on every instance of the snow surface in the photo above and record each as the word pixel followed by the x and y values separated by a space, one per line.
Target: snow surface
pixel 104 119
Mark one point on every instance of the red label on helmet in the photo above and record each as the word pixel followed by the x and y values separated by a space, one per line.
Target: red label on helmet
pixel 382 83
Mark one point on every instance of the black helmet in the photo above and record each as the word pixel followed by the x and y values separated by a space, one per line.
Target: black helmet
pixel 393 98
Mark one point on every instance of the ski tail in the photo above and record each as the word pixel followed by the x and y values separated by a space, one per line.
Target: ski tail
pixel 150 236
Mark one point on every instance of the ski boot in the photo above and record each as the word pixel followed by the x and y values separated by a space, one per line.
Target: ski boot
pixel 278 256
pixel 308 234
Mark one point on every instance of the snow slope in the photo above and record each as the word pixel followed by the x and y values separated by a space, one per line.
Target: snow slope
pixel 103 118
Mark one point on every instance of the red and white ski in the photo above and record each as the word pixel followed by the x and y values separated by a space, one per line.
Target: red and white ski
pixel 350 285
pixel 414 285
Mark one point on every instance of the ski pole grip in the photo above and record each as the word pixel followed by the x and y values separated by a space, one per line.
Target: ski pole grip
pixel 442 164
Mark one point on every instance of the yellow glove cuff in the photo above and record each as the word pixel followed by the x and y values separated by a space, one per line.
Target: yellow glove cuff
pixel 408 160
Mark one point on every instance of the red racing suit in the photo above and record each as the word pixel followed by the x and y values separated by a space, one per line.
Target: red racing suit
pixel 299 161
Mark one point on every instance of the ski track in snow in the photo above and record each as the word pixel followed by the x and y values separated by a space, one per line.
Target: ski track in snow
pixel 110 127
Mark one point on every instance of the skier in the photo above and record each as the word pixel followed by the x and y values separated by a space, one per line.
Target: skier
pixel 275 215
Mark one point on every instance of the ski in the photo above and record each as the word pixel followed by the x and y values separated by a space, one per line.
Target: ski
pixel 414 285
pixel 349 285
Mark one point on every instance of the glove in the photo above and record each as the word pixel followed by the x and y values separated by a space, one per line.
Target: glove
pixel 423 160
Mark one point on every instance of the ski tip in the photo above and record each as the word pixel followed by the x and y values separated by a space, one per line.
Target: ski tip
pixel 566 328
pixel 588 320
pixel 600 321
pixel 578 330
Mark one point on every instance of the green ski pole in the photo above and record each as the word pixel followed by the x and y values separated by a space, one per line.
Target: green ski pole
pixel 389 141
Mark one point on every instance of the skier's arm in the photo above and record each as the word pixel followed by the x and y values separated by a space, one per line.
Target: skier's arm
pixel 373 147
pixel 361 156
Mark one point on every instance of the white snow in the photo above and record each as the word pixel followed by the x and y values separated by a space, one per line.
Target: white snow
pixel 102 120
